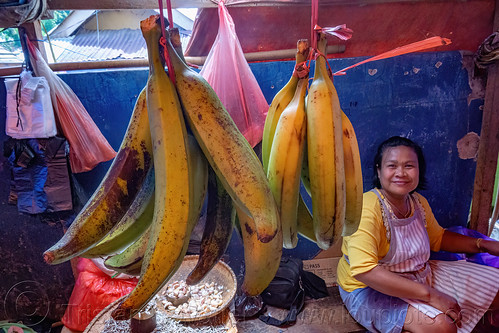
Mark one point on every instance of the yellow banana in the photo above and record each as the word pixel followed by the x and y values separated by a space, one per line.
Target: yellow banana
pixel 340 146
pixel 115 193
pixel 325 154
pixel 285 162
pixel 261 260
pixel 173 194
pixel 130 260
pixel 353 177
pixel 217 231
pixel 135 222
pixel 280 101
pixel 230 155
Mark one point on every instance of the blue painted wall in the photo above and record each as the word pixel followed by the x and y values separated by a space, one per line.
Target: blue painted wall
pixel 422 96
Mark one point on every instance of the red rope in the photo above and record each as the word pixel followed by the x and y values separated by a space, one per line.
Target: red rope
pixel 162 40
pixel 313 21
pixel 301 70
pixel 320 54
pixel 170 15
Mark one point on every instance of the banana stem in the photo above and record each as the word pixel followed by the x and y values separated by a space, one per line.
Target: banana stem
pixel 152 35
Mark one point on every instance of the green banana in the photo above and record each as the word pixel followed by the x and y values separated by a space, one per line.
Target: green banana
pixel 228 152
pixel 285 162
pixel 217 231
pixel 135 222
pixel 305 221
pixel 325 154
pixel 115 193
pixel 305 174
pixel 261 260
pixel 130 260
pixel 280 101
pixel 174 188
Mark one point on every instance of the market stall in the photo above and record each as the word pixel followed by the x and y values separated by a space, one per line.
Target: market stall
pixel 434 94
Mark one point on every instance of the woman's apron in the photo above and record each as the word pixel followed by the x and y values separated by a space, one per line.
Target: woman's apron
pixel 473 286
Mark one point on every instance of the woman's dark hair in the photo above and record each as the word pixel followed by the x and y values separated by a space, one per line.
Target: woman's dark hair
pixel 396 141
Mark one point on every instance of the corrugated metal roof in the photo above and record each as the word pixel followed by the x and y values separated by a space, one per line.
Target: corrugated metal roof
pixel 91 45
pixel 88 45
pixel 83 37
pixel 9 58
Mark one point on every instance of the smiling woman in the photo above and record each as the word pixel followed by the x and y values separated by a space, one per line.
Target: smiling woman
pixel 398 172
pixel 386 279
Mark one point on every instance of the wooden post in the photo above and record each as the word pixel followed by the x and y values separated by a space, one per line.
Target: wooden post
pixel 488 149
pixel 33 31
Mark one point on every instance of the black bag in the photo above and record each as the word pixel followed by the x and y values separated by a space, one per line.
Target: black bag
pixel 288 290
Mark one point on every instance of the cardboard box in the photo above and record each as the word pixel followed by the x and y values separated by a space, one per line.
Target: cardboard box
pixel 324 268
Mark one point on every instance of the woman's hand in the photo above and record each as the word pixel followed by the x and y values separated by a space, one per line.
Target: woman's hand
pixel 447 304
pixel 392 284
pixel 489 246
pixel 457 243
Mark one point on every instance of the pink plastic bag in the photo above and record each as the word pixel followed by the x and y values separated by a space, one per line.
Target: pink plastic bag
pixel 93 291
pixel 87 146
pixel 228 72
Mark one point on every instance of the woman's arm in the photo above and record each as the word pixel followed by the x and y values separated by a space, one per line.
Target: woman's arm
pixel 392 284
pixel 457 243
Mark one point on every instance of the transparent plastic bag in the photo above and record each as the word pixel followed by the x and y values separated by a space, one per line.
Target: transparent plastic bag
pixel 228 72
pixel 87 146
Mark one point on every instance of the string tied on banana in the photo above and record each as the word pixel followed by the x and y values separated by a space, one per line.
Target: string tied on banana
pixel 301 70
pixel 318 54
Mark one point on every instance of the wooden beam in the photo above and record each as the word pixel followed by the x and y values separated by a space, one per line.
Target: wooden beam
pixel 153 4
pixel 33 32
pixel 251 56
pixel 75 66
pixel 488 149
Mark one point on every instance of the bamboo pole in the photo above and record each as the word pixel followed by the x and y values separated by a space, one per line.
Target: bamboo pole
pixel 108 64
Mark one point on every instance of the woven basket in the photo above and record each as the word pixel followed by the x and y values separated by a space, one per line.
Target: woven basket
pixel 221 274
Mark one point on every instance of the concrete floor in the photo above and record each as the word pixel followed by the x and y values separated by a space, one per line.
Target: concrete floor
pixel 325 315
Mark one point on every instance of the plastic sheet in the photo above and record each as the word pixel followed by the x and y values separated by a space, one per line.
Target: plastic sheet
pixel 93 291
pixel 228 72
pixel 477 258
pixel 87 146
pixel 246 307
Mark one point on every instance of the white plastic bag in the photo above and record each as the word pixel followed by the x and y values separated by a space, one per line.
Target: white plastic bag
pixel 87 145
pixel 36 113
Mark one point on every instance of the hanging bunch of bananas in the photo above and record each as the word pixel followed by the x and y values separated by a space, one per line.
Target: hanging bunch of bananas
pixel 115 195
pixel 180 144
pixel 238 174
pixel 311 138
pixel 286 156
pixel 334 167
